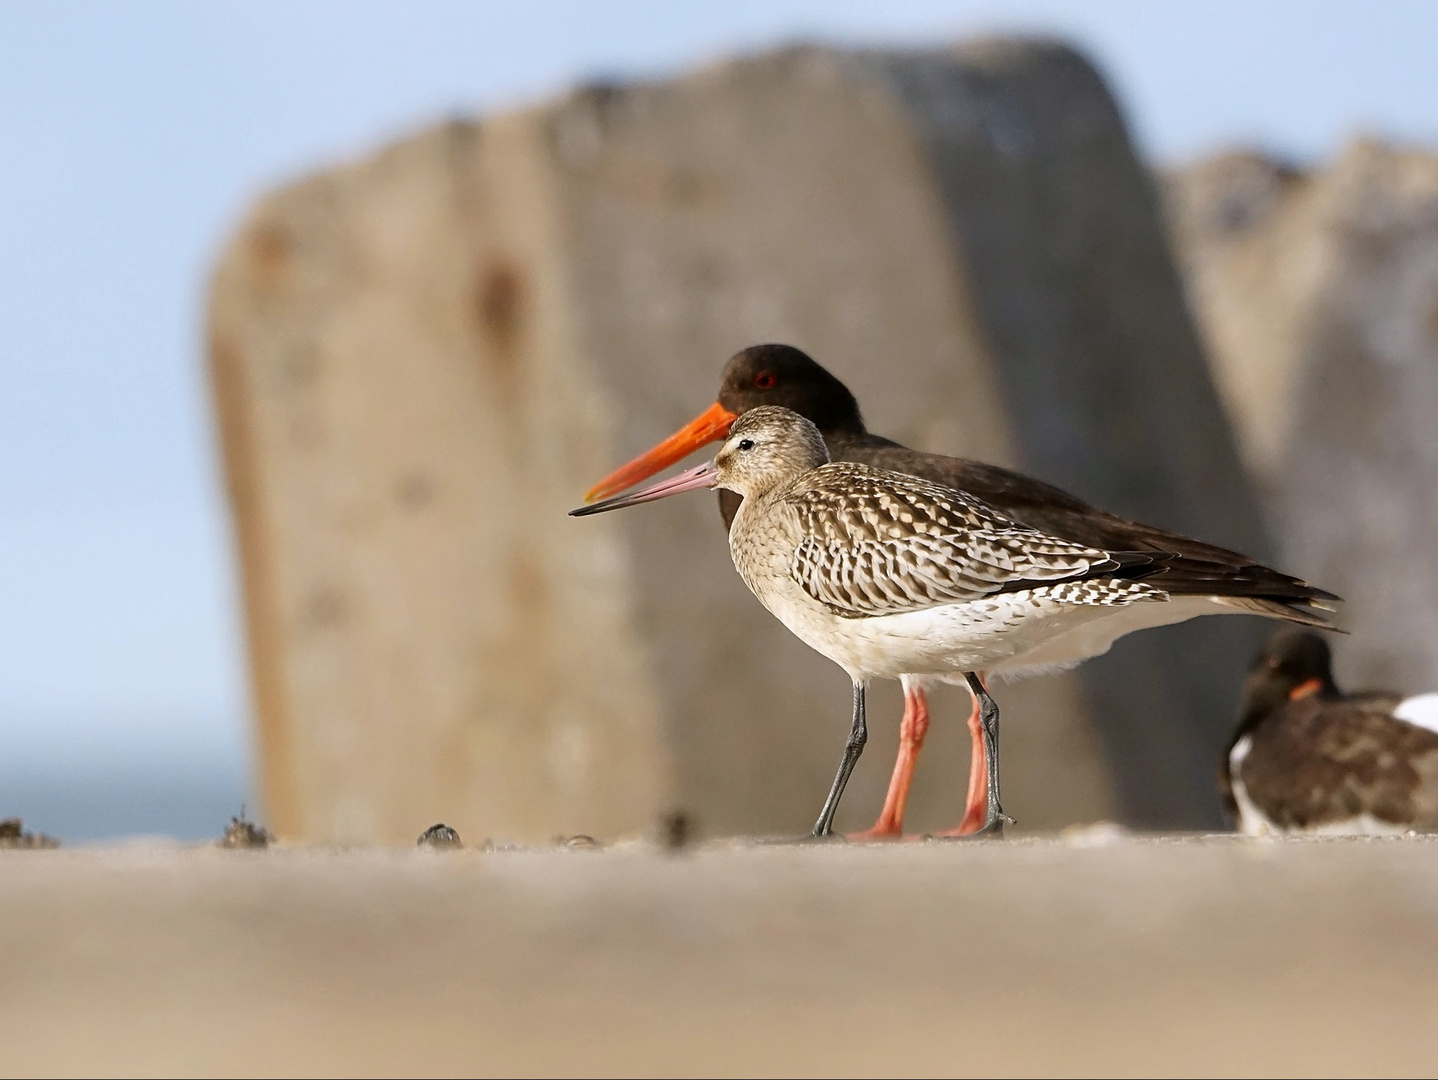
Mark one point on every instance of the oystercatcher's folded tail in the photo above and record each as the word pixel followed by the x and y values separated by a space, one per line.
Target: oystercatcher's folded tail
pixel 1238 582
pixel 1314 612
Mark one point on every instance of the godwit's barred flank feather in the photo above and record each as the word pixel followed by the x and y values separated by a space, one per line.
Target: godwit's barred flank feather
pixel 879 543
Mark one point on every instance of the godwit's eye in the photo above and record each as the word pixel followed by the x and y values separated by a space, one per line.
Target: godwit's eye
pixel 746 444
pixel 765 380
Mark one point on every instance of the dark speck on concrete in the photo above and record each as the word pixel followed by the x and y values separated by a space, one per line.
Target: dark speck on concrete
pixel 244 833
pixel 439 836
pixel 578 841
pixel 676 831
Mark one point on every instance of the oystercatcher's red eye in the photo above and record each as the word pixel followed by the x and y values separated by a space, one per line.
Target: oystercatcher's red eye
pixel 765 380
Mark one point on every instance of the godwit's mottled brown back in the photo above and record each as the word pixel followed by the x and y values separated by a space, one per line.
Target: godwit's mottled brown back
pixel 880 543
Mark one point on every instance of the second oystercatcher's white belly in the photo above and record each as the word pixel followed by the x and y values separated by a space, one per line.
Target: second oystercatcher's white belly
pixel 1420 710
pixel 1251 820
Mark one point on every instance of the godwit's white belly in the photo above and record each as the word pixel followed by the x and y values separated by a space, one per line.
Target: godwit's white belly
pixel 1008 633
pixel 1096 636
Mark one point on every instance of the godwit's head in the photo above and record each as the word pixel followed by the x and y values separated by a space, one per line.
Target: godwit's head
pixel 1294 664
pixel 759 375
pixel 765 447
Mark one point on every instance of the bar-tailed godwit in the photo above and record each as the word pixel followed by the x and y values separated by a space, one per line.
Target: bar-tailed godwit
pixel 889 574
pixel 783 375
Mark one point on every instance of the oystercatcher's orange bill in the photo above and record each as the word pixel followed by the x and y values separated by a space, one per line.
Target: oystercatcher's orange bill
pixel 1305 689
pixel 709 426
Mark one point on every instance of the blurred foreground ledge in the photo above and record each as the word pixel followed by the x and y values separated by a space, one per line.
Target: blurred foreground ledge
pixel 1185 956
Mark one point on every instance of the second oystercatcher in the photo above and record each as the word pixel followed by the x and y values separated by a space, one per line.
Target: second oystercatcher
pixel 783 375
pixel 889 574
pixel 1309 759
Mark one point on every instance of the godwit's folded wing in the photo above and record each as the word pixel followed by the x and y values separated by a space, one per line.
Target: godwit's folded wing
pixel 877 543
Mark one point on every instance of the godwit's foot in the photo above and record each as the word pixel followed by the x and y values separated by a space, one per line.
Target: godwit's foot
pixel 997 820
pixel 966 830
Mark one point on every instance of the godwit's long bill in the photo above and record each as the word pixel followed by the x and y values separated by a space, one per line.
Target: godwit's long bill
pixel 782 375
pixel 891 575
pixel 1307 758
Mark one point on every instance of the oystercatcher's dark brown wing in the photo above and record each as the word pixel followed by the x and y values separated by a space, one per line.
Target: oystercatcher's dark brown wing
pixel 1317 761
pixel 1188 567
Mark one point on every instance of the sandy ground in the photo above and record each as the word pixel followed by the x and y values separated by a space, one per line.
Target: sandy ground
pixel 1120 957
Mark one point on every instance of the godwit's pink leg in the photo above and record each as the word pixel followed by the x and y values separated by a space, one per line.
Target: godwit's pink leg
pixel 912 730
pixel 977 809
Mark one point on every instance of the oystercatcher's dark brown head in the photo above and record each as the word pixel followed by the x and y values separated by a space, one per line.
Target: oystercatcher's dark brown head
pixel 1295 664
pixel 785 376
pixel 759 375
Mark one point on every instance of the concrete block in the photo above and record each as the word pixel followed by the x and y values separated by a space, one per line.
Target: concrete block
pixel 1319 291
pixel 423 358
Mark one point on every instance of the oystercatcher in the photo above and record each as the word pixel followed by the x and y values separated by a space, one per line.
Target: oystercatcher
pixel 1307 758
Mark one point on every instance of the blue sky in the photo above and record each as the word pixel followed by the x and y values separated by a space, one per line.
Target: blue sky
pixel 132 136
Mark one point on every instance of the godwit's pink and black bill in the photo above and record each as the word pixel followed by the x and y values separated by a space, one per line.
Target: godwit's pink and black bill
pixel 891 575
pixel 701 476
pixel 784 376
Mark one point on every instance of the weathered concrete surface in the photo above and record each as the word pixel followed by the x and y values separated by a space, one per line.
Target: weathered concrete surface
pixel 1244 236
pixel 422 359
pixel 1107 389
pixel 1319 292
pixel 1143 958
